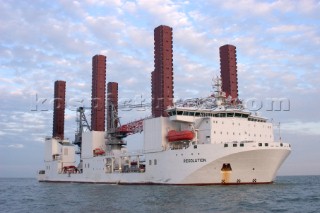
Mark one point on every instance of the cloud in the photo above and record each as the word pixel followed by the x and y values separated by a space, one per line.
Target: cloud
pixel 130 7
pixel 289 28
pixel 267 8
pixel 164 12
pixel 302 128
pixel 110 3
pixel 16 146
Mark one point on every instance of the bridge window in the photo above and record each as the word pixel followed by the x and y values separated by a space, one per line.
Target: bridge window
pixel 179 112
pixel 230 114
pixel 238 115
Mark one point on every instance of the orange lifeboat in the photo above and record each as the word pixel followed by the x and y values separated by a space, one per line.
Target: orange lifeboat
pixel 99 151
pixel 179 136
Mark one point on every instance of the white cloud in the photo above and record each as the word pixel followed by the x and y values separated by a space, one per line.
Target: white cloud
pixel 110 3
pixel 303 128
pixel 16 146
pixel 267 8
pixel 164 12
pixel 288 28
pixel 130 6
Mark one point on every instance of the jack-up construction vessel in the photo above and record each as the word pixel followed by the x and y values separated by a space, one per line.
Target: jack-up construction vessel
pixel 201 141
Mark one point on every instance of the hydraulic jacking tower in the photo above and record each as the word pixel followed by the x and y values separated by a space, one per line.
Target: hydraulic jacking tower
pixel 98 96
pixel 59 109
pixel 112 106
pixel 228 66
pixel 114 136
pixel 162 76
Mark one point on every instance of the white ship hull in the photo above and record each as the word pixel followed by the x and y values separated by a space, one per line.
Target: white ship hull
pixel 202 165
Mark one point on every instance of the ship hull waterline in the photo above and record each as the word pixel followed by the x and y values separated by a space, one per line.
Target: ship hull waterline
pixel 255 166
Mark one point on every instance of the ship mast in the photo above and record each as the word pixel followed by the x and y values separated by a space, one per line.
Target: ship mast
pixel 220 96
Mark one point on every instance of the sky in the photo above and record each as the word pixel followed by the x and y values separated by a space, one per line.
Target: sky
pixel 278 49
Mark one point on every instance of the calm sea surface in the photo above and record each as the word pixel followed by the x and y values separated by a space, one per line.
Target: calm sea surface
pixel 287 194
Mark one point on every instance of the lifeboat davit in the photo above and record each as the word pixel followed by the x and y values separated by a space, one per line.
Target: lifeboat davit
pixel 180 135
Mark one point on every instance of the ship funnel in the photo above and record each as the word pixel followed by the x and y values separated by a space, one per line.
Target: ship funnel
pixel 58 109
pixel 98 96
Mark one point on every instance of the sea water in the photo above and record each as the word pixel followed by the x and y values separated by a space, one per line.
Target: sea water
pixel 287 194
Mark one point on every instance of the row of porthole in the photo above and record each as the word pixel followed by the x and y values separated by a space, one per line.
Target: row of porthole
pixel 269 127
pixel 191 154
pixel 214 132
pixel 234 145
pixel 266 144
pixel 242 145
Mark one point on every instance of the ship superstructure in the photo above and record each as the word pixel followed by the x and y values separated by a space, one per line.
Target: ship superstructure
pixel 200 141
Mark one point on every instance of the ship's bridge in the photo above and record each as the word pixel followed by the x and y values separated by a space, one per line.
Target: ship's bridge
pixel 186 114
